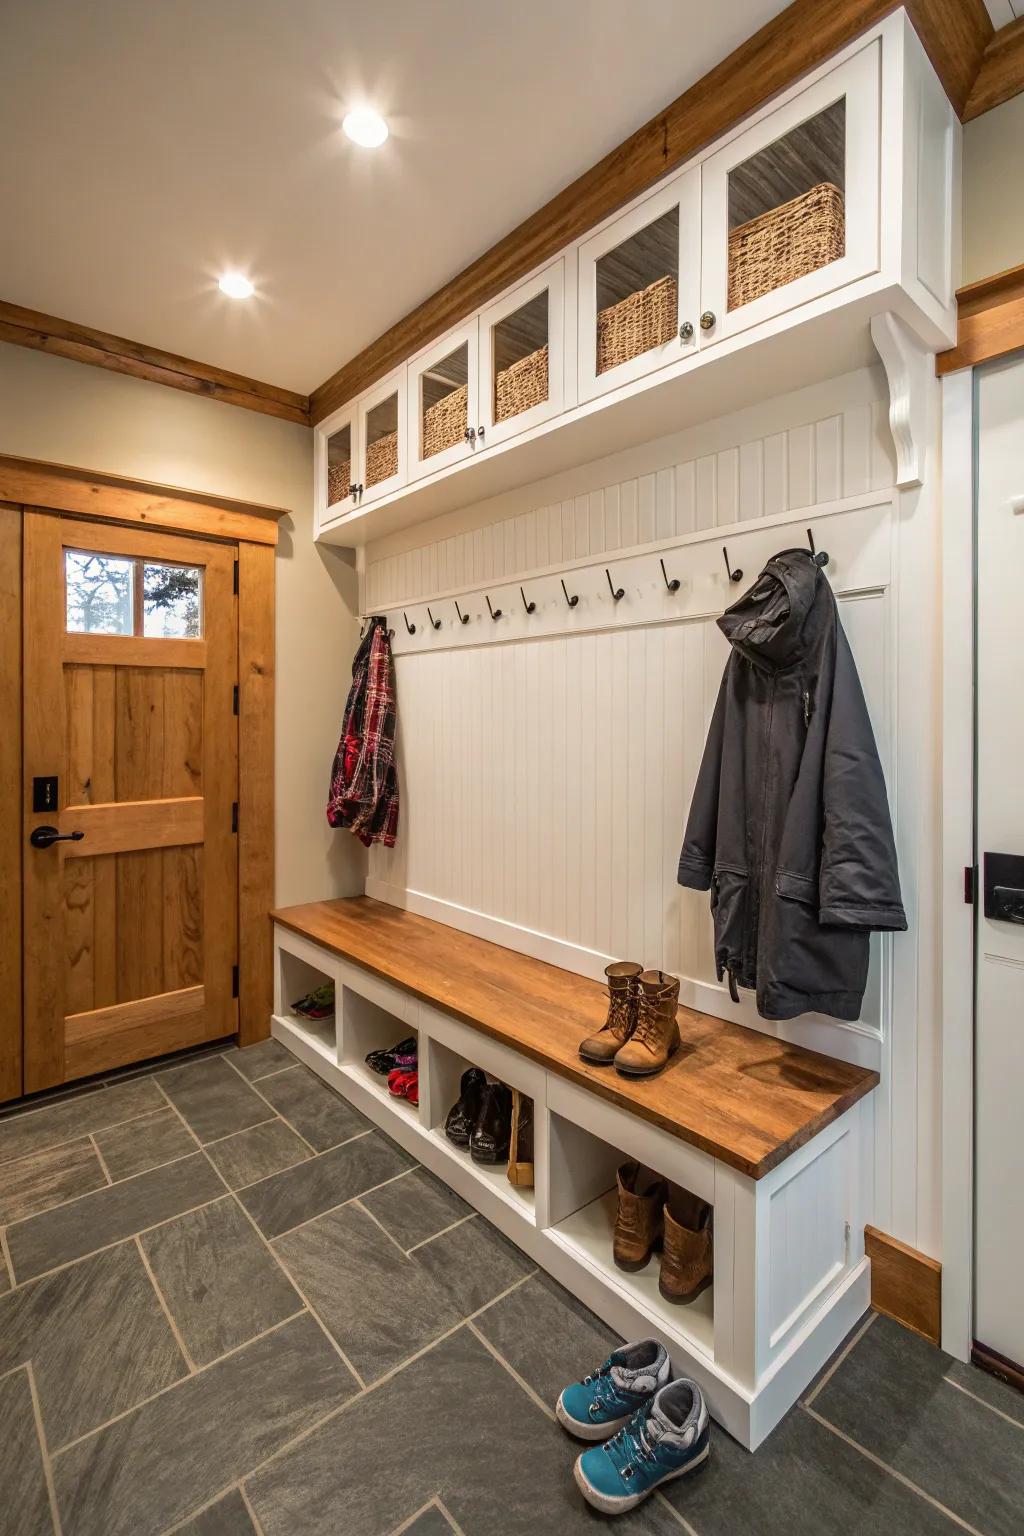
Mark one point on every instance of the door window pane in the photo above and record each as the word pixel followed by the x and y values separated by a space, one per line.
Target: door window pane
pixel 444 403
pixel 172 601
pixel 637 297
pixel 100 593
pixel 520 352
pixel 787 207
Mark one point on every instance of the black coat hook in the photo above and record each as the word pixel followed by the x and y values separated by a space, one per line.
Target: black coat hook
pixel 410 627
pixel 819 556
pixel 572 601
pixel 616 592
pixel 463 617
pixel 434 623
pixel 733 575
pixel 494 612
pixel 530 607
pixel 391 635
pixel 673 585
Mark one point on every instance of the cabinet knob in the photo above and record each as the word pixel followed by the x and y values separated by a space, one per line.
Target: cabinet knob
pixel 353 491
pixel 470 435
pixel 686 331
pixel 707 320
pixel 480 433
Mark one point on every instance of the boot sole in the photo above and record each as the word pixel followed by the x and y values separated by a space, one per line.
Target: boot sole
pixel 609 1505
pixel 597 1061
pixel 691 1296
pixel 634 1266
pixel 592 1433
pixel 648 1071
pixel 491 1158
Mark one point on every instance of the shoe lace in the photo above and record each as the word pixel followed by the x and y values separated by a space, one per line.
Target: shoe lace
pixel 630 1444
pixel 618 1012
pixel 646 1032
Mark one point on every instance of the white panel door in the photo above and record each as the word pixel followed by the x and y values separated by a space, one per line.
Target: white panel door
pixel 999 1043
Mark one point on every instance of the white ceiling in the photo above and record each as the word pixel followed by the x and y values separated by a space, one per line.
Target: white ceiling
pixel 145 145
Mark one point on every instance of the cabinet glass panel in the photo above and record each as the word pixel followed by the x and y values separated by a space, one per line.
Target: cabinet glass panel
pixel 637 298
pixel 381 458
pixel 519 359
pixel 444 403
pixel 787 207
pixel 339 464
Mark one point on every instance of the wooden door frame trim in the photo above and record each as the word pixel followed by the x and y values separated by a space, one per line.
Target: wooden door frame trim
pixel 83 344
pixel 256 825
pixel 954 33
pixel 1001 75
pixel 10 803
pixel 990 321
pixel 118 499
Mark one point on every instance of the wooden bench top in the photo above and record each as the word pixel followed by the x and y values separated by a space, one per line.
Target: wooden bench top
pixel 744 1097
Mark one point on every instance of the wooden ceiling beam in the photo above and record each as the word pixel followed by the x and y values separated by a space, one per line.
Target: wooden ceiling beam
pixel 955 34
pixel 83 344
pixel 1001 75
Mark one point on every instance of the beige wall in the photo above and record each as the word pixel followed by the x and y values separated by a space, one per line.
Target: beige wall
pixel 994 191
pixel 69 413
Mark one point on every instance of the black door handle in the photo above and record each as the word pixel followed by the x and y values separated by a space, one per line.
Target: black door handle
pixel 45 837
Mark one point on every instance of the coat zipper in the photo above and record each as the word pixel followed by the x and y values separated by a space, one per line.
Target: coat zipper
pixel 759 885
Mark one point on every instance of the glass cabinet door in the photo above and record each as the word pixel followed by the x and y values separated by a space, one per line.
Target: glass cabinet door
pixel 443 408
pixel 638 289
pixel 381 426
pixel 790 207
pixel 336 491
pixel 521 357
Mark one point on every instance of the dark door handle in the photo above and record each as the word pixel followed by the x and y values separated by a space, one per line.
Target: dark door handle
pixel 45 837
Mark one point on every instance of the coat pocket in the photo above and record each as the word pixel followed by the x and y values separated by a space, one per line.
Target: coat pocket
pixel 797 887
pixel 729 905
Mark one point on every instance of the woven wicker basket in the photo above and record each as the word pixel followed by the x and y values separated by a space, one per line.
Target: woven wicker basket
pixel 339 478
pixel 786 243
pixel 445 422
pixel 521 385
pixel 382 458
pixel 637 324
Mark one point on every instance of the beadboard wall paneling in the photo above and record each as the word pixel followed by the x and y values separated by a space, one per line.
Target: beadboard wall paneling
pixel 823 460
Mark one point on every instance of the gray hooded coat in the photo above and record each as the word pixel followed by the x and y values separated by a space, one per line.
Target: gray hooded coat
pixel 789 823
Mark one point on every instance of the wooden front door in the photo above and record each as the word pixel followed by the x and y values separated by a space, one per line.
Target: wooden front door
pixel 130 783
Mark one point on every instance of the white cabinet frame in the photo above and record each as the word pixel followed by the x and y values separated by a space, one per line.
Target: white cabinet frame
pixel 552 281
pixel 464 335
pixel 684 192
pixel 858 81
pixel 326 512
pixel 393 384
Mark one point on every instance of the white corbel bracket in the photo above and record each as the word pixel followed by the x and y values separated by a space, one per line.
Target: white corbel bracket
pixel 910 370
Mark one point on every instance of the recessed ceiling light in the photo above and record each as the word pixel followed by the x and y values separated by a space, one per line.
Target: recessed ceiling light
pixel 235 286
pixel 366 127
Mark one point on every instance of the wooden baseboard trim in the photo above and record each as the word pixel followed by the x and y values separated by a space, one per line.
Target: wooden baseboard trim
pixel 998 1365
pixel 990 321
pixel 905 1285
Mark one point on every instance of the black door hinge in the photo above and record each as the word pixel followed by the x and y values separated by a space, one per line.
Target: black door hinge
pixel 970 884
pixel 234 699
pixel 234 981
pixel 234 816
pixel 236 579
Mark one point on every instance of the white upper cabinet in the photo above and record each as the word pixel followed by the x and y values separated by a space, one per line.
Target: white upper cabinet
pixel 381 439
pixel 639 289
pixel 444 407
pixel 522 357
pixel 790 207
pixel 336 466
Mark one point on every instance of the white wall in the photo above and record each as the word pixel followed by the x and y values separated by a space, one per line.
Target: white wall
pixel 546 762
pixel 994 191
pixel 69 413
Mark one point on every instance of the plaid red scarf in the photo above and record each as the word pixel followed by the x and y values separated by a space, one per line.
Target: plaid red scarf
pixel 364 784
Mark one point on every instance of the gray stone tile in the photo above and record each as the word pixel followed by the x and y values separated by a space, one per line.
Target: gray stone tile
pixel 228 1517
pixel 802 1481
pixel 547 1335
pixel 468 1434
pixel 5 1278
pixel 97 1339
pixel 109 1215
pixel 38 1129
pixel 416 1207
pixel 889 1395
pixel 48 1178
pixel 255 1154
pixel 283 1201
pixel 172 1455
pixel 50 1096
pixel 141 1144
pixel 474 1263
pixel 997 1394
pixel 25 1502
pixel 316 1111
pixel 257 1061
pixel 432 1522
pixel 378 1304
pixel 221 1284
pixel 212 1098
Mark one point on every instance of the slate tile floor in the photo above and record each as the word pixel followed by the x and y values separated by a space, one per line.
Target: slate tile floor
pixel 231 1307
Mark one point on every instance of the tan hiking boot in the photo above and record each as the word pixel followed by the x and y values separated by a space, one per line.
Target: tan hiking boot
pixel 638 1224
pixel 687 1263
pixel 623 999
pixel 656 1035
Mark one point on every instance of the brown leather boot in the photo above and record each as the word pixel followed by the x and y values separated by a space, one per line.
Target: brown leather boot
pixel 639 1222
pixel 623 998
pixel 687 1263
pixel 520 1152
pixel 656 1035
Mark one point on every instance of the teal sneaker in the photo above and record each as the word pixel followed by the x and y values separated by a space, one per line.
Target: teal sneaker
pixel 667 1438
pixel 594 1408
